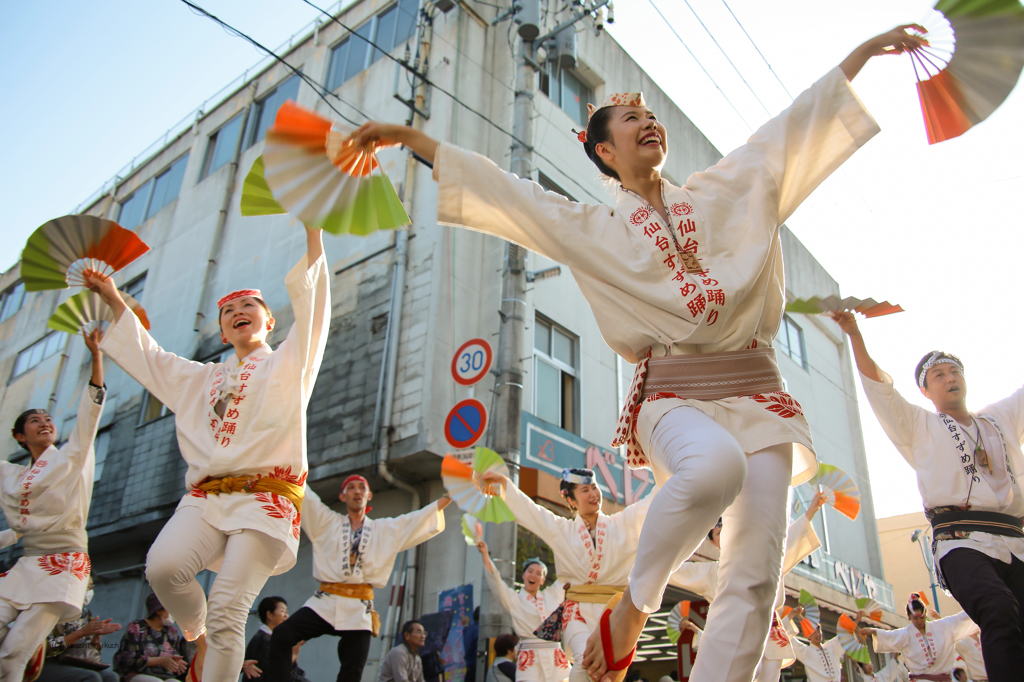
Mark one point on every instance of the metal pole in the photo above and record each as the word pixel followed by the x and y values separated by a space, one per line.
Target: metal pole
pixel 507 418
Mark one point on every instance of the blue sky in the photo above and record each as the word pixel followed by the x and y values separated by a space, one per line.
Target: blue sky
pixel 87 86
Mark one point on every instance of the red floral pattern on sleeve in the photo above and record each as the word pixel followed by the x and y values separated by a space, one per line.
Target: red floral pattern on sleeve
pixel 76 563
pixel 561 660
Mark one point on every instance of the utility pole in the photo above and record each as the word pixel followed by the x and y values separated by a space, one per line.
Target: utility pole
pixel 506 421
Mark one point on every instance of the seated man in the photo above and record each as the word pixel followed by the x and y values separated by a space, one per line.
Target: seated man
pixel 73 648
pixel 151 650
pixel 403 664
pixel 352 554
pixel 272 612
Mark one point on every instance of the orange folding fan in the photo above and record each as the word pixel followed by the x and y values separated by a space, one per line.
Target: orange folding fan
pixel 840 489
pixel 316 173
pixel 973 61
pixel 679 614
pixel 62 251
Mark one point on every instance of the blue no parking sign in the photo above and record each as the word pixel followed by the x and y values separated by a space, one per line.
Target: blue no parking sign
pixel 465 423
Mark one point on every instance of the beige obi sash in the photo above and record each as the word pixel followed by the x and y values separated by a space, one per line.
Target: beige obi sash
pixel 593 594
pixel 55 542
pixel 713 376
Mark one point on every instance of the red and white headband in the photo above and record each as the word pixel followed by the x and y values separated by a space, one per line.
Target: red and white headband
pixel 241 293
pixel 616 99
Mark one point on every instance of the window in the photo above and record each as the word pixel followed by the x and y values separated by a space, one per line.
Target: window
pixel 157 192
pixel 555 389
pixel 135 287
pixel 37 352
pixel 549 185
pixel 222 145
pixel 266 110
pixel 388 29
pixel 100 446
pixel 11 300
pixel 564 88
pixel 152 409
pixel 790 340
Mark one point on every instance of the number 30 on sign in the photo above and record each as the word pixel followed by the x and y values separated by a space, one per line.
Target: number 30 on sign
pixel 471 362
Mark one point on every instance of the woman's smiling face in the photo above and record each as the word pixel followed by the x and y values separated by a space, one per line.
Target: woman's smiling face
pixel 245 321
pixel 638 140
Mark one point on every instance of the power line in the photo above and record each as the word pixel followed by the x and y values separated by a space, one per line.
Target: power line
pixel 320 91
pixel 725 54
pixel 713 82
pixel 740 24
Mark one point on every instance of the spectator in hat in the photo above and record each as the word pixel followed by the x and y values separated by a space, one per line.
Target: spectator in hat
pixel 151 650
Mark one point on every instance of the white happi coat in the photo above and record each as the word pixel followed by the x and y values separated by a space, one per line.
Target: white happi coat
pixel 895 671
pixel 969 649
pixel 605 560
pixel 53 494
pixel 263 429
pixel 7 538
pixel 936 447
pixel 823 664
pixel 627 262
pixel 381 541
pixel 931 653
pixel 538 659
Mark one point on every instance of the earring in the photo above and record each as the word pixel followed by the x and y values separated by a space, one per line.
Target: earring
pixel 270 327
pixel 223 339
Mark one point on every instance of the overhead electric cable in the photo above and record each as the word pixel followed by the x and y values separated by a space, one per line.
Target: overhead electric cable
pixel 726 55
pixel 320 91
pixel 740 24
pixel 671 28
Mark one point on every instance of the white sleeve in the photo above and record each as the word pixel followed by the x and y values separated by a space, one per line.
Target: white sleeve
pixel 632 517
pixel 801 540
pixel 169 377
pixel 532 516
pixel 310 293
pixel 79 448
pixel 1010 411
pixel 409 530
pixel 505 594
pixel 899 418
pixel 8 537
pixel 891 640
pixel 961 624
pixel 700 577
pixel 315 515
pixel 474 192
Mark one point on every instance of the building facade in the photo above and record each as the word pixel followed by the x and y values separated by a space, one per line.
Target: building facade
pixel 413 297
pixel 906 567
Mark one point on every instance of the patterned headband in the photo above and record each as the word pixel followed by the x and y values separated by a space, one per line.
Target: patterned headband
pixel 535 560
pixel 916 597
pixel 937 357
pixel 241 293
pixel 569 476
pixel 616 99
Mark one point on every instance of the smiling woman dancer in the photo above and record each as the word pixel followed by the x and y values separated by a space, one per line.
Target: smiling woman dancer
pixel 241 428
pixel 594 551
pixel 47 501
pixel 538 660
pixel 687 283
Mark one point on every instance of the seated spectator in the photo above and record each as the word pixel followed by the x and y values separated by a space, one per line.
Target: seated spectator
pixel 151 650
pixel 272 612
pixel 402 663
pixel 504 667
pixel 73 649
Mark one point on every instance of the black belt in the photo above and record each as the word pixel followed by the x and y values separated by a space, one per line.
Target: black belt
pixel 978 521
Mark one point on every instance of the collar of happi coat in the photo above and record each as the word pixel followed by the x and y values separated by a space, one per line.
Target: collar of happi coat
pixel 347 568
pixel 260 353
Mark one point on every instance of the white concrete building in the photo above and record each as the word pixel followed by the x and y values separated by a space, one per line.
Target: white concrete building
pixel 182 198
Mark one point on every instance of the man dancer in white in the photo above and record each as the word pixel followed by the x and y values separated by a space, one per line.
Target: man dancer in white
pixel 823 661
pixel 241 427
pixel 538 660
pixel 594 551
pixel 967 466
pixel 47 503
pixel 352 554
pixel 687 282
pixel 928 648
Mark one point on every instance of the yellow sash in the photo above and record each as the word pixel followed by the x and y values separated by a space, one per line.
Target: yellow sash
pixel 253 484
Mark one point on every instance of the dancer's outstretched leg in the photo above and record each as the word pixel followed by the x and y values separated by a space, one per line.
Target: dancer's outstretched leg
pixel 753 540
pixel 700 468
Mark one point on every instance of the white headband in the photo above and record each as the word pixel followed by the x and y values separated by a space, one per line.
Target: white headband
pixel 938 358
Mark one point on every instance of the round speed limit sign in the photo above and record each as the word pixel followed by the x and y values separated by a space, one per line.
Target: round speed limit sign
pixel 471 362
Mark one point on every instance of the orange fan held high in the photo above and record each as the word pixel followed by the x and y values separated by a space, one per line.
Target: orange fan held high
pixel 973 60
pixel 63 251
pixel 315 173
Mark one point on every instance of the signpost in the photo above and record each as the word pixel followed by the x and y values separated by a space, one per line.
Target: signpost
pixel 465 423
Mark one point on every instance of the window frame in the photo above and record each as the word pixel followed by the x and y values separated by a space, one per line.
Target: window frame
pixel 252 126
pixel 555 73
pixel 211 145
pixel 149 186
pixel 43 341
pixel 564 370
pixel 146 398
pixel 5 297
pixel 784 328
pixel 372 54
pixel 102 436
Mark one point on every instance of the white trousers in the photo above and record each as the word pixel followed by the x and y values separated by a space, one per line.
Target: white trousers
pixel 187 545
pixel 702 472
pixel 768 671
pixel 21 633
